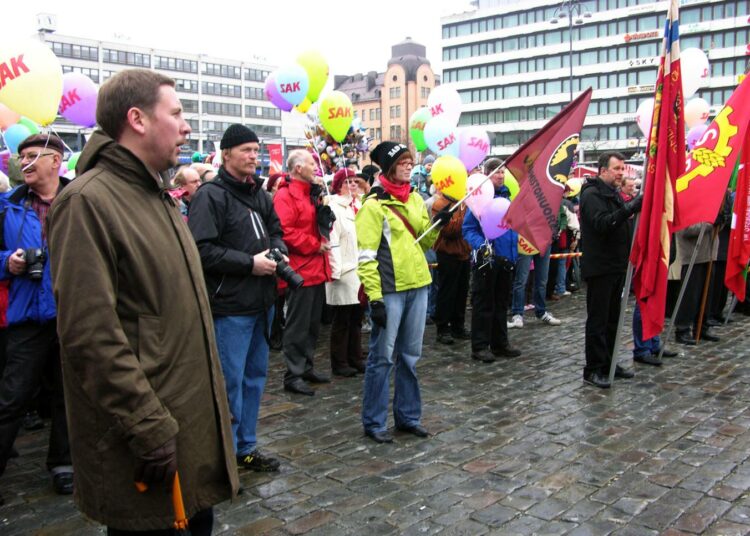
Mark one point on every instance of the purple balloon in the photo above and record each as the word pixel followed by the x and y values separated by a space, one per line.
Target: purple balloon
pixel 78 102
pixel 474 144
pixel 492 218
pixel 695 134
pixel 273 95
pixel 4 157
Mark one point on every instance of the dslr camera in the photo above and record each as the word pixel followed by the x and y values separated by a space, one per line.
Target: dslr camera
pixel 283 270
pixel 34 258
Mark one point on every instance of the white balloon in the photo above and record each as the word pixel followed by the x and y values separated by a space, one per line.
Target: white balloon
pixel 482 191
pixel 695 70
pixel 643 116
pixel 445 102
pixel 696 112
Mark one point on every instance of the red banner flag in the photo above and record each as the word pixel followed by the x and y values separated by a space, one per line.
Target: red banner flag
pixel 541 166
pixel 666 161
pixel 275 157
pixel 700 190
pixel 739 238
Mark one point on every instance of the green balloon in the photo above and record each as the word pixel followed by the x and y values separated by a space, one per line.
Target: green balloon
pixel 28 123
pixel 417 121
pixel 73 161
pixel 197 157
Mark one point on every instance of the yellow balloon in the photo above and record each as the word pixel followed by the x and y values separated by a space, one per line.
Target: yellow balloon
pixel 449 176
pixel 317 72
pixel 336 114
pixel 525 247
pixel 511 183
pixel 303 106
pixel 575 187
pixel 31 80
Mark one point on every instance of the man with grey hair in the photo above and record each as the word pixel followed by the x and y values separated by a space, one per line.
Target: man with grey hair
pixel 304 224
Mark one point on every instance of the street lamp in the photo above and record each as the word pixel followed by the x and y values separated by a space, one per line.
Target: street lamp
pixel 570 9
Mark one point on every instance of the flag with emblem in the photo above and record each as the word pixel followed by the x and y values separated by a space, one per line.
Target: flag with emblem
pixel 541 167
pixel 739 237
pixel 666 161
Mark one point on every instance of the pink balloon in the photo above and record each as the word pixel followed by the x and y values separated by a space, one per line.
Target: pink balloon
pixel 695 134
pixel 492 218
pixel 273 95
pixel 473 146
pixel 4 158
pixel 482 191
pixel 78 102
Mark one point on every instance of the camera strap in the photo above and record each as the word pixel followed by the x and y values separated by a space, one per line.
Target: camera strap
pixel 401 217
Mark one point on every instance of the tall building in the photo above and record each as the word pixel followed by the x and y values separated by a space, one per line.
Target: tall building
pixel 385 101
pixel 215 92
pixel 511 60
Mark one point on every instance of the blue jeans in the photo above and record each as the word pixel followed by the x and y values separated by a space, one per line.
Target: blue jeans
pixel 399 345
pixel 243 351
pixel 431 257
pixel 642 348
pixel 541 269
pixel 561 273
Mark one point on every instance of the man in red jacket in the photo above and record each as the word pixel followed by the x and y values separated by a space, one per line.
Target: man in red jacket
pixel 297 205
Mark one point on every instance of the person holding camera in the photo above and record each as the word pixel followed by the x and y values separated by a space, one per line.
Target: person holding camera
pixel 306 223
pixel 33 353
pixel 239 239
pixel 492 265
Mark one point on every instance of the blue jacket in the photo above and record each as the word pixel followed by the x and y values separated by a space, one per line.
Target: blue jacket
pixel 29 300
pixel 503 246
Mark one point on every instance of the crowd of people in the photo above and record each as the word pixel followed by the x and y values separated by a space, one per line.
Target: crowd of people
pixel 147 307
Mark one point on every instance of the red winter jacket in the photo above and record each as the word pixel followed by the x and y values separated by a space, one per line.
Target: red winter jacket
pixel 298 221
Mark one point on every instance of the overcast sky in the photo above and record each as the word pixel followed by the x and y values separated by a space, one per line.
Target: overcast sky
pixel 353 37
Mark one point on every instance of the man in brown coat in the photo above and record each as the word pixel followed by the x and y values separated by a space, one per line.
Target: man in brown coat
pixel 143 385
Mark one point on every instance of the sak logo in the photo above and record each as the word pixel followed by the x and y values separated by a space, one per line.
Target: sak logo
pixel 562 160
pixel 10 72
pixel 396 149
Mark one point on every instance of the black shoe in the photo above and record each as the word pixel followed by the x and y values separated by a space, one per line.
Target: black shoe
pixel 624 374
pixel 314 377
pixel 379 437
pixel 255 461
pixel 666 353
pixel 299 386
pixel 597 380
pixel 2 501
pixel 713 323
pixel 63 483
pixel 462 335
pixel 684 337
pixel 418 430
pixel 345 372
pixel 360 367
pixel 482 355
pixel 31 421
pixel 506 351
pixel 444 338
pixel 708 336
pixel 648 360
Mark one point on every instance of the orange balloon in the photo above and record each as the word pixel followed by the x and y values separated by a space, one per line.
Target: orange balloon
pixel 8 117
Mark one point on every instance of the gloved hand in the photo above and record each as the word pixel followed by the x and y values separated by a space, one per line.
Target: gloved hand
pixel 443 217
pixel 634 205
pixel 159 465
pixel 378 314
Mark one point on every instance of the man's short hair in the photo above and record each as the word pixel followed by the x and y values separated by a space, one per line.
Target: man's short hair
pixel 132 88
pixel 606 155
pixel 491 165
pixel 180 179
pixel 296 157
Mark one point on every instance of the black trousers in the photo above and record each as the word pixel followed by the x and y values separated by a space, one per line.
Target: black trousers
pixel 304 307
pixel 687 314
pixel 603 294
pixel 201 524
pixel 33 359
pixel 346 335
pixel 453 288
pixel 490 293
pixel 719 291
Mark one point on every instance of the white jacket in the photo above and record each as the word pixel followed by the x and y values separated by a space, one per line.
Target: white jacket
pixel 344 289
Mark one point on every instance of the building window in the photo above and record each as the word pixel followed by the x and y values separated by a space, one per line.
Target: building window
pixel 224 90
pixel 424 92
pixel 66 50
pixel 91 73
pixel 127 58
pixel 395 92
pixel 395 111
pixel 262 112
pixel 189 106
pixel 255 93
pixel 222 108
pixel 395 133
pixel 224 71
pixel 186 86
pixel 256 75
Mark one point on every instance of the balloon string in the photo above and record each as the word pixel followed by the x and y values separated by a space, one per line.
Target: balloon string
pixel 39 154
pixel 59 137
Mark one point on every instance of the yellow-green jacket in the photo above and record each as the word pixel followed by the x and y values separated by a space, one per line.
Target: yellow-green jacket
pixel 389 259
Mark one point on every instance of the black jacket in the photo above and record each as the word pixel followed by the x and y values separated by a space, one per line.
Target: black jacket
pixel 606 230
pixel 231 222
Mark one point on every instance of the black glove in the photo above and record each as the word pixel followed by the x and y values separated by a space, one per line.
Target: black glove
pixel 634 205
pixel 159 465
pixel 443 217
pixel 378 314
pixel 325 219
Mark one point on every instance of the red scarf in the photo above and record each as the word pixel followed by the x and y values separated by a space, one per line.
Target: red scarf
pixel 399 191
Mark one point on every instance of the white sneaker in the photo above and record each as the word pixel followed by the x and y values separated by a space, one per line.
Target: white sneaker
pixel 516 322
pixel 547 318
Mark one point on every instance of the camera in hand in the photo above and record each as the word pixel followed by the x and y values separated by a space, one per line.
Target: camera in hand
pixel 34 258
pixel 283 270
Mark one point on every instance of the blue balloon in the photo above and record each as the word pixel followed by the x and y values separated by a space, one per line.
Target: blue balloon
pixel 15 135
pixel 442 137
pixel 292 83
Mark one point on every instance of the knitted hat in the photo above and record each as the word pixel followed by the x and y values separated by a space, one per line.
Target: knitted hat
pixel 42 140
pixel 369 172
pixel 339 178
pixel 429 159
pixel 271 181
pixel 237 135
pixel 386 154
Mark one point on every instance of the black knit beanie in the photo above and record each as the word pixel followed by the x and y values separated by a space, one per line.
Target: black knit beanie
pixel 237 135
pixel 386 154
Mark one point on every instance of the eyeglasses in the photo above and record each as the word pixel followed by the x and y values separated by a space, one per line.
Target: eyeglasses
pixel 408 163
pixel 350 181
pixel 30 157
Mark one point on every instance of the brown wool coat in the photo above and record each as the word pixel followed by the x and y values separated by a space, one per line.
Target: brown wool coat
pixel 451 239
pixel 139 357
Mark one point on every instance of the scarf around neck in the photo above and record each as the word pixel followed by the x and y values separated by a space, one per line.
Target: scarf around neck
pixel 399 191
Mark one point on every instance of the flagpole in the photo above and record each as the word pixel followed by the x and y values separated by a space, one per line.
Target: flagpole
pixel 732 305
pixel 682 291
pixel 706 286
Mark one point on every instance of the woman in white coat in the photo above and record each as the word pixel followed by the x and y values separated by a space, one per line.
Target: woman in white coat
pixel 342 294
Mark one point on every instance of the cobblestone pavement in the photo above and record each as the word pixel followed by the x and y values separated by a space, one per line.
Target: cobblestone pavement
pixel 519 446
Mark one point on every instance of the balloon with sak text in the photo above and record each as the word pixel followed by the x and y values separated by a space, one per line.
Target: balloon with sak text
pixel 78 103
pixel 695 71
pixel 445 102
pixel 273 95
pixel 417 122
pixel 695 134
pixel 14 135
pixel 473 146
pixel 525 247
pixel 317 73
pixel 449 176
pixel 492 218
pixel 442 137
pixel 481 191
pixel 336 114
pixel 643 116
pixel 292 83
pixel 696 112
pixel 31 80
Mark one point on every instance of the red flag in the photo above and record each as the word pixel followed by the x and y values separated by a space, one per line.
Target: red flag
pixel 666 161
pixel 541 166
pixel 739 238
pixel 700 190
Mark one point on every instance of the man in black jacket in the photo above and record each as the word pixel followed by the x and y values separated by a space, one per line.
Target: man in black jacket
pixel 234 224
pixel 606 234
